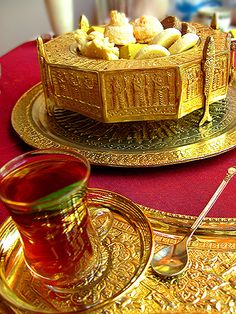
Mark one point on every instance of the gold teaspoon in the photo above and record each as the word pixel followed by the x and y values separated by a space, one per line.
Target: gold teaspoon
pixel 173 259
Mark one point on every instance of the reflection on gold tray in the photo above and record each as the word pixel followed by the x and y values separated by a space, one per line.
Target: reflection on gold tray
pixel 127 144
pixel 125 256
pixel 208 285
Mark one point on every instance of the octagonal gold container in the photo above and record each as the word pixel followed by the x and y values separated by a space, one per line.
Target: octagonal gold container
pixel 133 90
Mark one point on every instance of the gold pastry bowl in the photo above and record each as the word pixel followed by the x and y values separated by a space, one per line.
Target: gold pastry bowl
pixel 136 90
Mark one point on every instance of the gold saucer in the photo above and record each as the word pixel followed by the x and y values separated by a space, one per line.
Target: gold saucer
pixel 127 144
pixel 125 256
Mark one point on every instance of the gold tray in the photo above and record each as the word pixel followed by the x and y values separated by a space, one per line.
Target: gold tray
pixel 124 257
pixel 127 144
pixel 208 285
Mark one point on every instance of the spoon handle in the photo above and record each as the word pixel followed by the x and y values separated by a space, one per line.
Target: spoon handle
pixel 230 173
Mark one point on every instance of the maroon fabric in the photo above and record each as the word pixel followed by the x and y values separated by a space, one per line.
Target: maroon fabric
pixel 184 188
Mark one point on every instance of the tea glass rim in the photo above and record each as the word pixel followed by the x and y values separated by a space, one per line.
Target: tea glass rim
pixel 15 162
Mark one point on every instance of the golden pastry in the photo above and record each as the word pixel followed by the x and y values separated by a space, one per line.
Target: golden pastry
pixel 101 48
pixel 167 37
pixel 171 22
pixel 95 45
pixel 130 51
pixel 94 35
pixel 151 52
pixel 188 28
pixel 84 23
pixel 184 43
pixel 81 38
pixel 146 28
pixel 119 30
pixel 100 29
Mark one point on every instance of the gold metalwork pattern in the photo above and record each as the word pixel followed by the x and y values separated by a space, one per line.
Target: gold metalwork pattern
pixel 208 285
pixel 124 257
pixel 209 71
pixel 129 144
pixel 232 69
pixel 131 90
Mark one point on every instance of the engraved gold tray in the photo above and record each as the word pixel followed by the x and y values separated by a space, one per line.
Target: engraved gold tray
pixel 128 144
pixel 208 285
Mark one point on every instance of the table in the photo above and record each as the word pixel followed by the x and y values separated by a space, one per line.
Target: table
pixel 183 188
pixel 178 189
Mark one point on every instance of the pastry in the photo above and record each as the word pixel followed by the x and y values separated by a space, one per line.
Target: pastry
pixel 129 51
pixel 172 22
pixel 151 52
pixel 119 31
pixel 167 37
pixel 188 28
pixel 146 28
pixel 95 45
pixel 184 43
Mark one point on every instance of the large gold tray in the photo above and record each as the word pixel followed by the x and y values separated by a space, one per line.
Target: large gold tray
pixel 208 285
pixel 128 144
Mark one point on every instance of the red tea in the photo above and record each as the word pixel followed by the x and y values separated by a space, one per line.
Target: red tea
pixel 55 237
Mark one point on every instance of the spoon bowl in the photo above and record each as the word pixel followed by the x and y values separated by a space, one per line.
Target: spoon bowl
pixel 173 259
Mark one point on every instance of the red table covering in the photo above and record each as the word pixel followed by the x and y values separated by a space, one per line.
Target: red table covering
pixel 183 188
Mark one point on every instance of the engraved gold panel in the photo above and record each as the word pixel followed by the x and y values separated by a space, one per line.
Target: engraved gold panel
pixel 145 93
pixel 122 90
pixel 70 82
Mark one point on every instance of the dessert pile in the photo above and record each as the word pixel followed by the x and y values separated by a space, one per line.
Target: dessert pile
pixel 144 38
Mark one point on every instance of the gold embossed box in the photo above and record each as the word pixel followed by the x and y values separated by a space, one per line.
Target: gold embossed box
pixel 134 90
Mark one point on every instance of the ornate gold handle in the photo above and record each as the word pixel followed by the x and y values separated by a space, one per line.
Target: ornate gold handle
pixel 208 70
pixel 230 173
pixel 232 62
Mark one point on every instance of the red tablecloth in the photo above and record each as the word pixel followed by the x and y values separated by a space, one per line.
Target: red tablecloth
pixel 184 188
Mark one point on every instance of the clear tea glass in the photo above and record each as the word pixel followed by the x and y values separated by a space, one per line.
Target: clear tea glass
pixel 45 194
